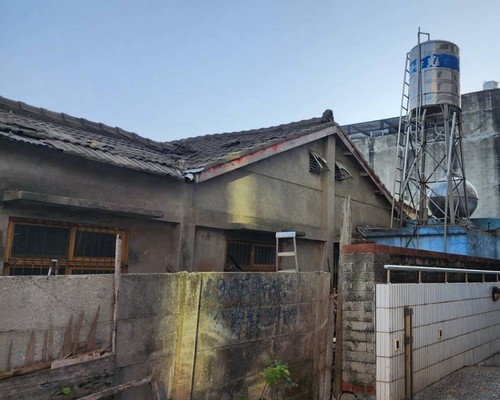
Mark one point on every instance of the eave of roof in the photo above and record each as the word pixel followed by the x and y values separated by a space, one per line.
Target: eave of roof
pixel 262 152
pixel 363 163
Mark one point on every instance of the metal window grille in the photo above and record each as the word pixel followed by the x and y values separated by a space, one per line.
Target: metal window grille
pixel 250 256
pixel 31 245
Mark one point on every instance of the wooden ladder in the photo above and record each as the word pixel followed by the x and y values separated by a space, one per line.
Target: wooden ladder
pixel 284 236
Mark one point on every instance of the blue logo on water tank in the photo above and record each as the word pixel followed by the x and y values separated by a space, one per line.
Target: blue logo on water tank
pixel 436 61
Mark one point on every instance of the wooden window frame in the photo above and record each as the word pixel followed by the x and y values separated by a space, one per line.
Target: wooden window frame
pixel 253 267
pixel 71 263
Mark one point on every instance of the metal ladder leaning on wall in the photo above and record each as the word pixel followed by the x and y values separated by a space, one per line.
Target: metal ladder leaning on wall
pixel 402 149
pixel 279 254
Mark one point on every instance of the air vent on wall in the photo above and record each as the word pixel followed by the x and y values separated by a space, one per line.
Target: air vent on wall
pixel 317 163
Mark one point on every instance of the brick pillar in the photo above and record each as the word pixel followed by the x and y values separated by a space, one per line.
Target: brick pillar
pixel 359 362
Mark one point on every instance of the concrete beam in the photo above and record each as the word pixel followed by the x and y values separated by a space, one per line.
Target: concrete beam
pixel 20 196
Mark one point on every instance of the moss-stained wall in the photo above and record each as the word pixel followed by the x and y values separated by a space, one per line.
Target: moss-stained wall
pixel 209 335
pixel 246 320
pixel 205 334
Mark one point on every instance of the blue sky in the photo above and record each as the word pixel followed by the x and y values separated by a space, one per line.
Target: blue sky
pixel 177 68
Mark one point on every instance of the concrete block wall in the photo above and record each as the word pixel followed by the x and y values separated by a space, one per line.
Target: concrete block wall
pixel 44 308
pixel 44 320
pixel 247 320
pixel 202 335
pixel 148 327
pixel 454 325
pixel 210 335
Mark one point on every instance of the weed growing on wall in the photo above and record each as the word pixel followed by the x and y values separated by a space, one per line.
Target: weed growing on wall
pixel 276 380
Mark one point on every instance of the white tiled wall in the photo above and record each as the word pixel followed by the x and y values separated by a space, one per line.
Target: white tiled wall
pixel 465 314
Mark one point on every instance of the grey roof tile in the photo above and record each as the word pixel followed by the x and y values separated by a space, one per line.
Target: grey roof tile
pixel 211 149
pixel 102 143
pixel 82 138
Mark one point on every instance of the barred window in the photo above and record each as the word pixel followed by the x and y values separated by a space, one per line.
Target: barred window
pixel 250 256
pixel 33 244
pixel 32 241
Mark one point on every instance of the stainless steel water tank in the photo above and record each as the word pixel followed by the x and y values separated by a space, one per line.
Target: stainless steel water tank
pixel 490 85
pixel 440 67
pixel 437 198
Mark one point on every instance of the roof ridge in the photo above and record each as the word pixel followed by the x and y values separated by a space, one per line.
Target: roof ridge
pixel 76 122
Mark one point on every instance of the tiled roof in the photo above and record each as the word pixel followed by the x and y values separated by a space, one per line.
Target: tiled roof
pixel 99 142
pixel 205 151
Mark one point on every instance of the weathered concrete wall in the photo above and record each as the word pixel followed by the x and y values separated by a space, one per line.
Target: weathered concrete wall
pixel 363 270
pixel 481 143
pixel 310 253
pixel 274 194
pixel 193 331
pixel 77 177
pixel 481 146
pixel 245 320
pixel 152 308
pixel 45 320
pixel 209 335
pixel 152 246
pixel 45 308
pixel 277 193
pixel 66 176
pixel 209 250
pixel 380 153
pixel 369 208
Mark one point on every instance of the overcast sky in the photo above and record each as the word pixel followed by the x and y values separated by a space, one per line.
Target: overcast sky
pixel 168 69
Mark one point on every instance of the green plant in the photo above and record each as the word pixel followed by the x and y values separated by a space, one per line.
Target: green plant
pixel 65 390
pixel 276 374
